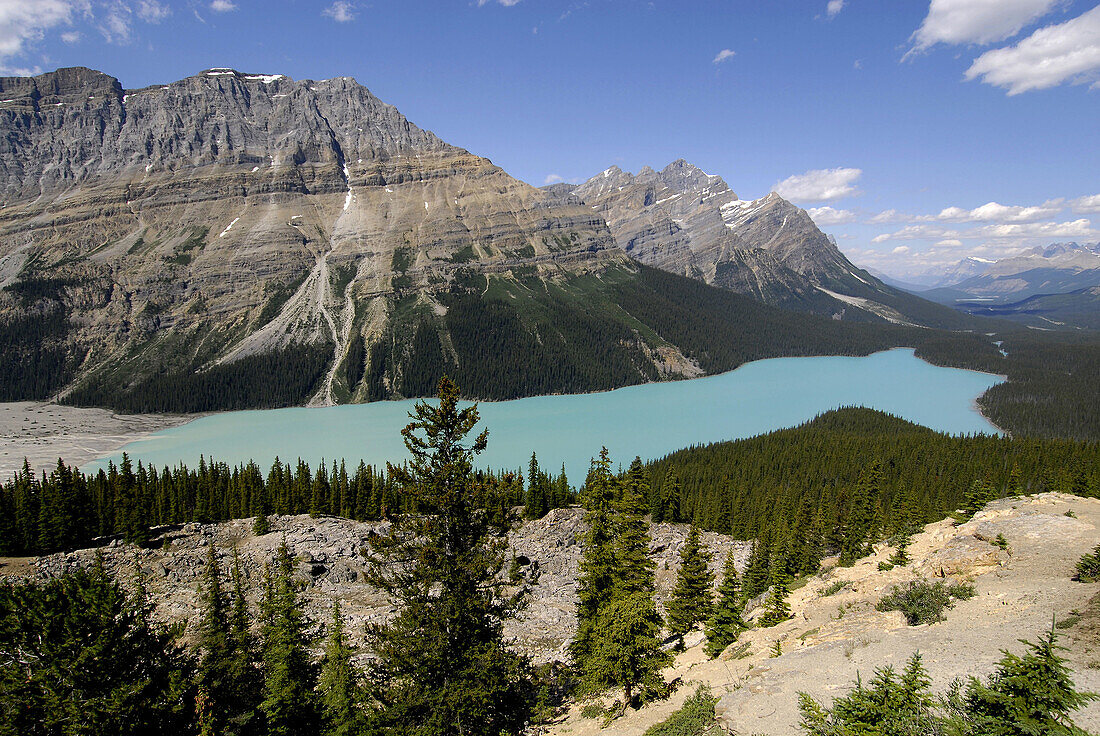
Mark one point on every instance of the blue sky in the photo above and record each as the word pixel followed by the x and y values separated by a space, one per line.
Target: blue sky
pixel 917 132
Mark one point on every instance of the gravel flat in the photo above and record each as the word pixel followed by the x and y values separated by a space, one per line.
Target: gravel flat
pixel 42 433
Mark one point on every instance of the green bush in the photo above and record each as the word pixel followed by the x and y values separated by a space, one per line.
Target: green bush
pixel 693 718
pixel 1088 567
pixel 923 602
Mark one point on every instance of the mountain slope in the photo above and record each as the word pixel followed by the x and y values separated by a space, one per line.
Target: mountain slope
pixel 239 240
pixel 685 221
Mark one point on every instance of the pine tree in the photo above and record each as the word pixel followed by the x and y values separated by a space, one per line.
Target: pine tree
pixel 441 666
pixel 671 500
pixel 757 572
pixel 340 690
pixel 598 567
pixel 537 502
pixel 214 681
pixel 776 610
pixel 1032 694
pixel 626 651
pixel 691 598
pixel 288 704
pixel 242 708
pixel 860 525
pixel 725 623
pixel 634 570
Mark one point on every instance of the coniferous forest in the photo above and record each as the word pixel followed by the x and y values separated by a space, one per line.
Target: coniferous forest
pixel 833 486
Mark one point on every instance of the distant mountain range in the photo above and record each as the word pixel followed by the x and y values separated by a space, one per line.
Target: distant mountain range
pixel 1053 286
pixel 233 240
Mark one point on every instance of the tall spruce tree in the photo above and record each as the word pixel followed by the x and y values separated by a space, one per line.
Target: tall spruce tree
pixel 691 598
pixel 215 683
pixel 776 609
pixel 441 666
pixel 288 705
pixel 634 569
pixel 859 527
pixel 598 567
pixel 671 499
pixel 725 623
pixel 242 712
pixel 627 651
pixel 341 692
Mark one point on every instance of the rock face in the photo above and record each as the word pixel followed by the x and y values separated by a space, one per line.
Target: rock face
pixel 250 212
pixel 329 554
pixel 686 221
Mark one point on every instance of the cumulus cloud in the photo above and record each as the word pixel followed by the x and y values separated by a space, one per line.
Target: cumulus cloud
pixel 552 179
pixel 976 21
pixel 22 22
pixel 989 212
pixel 223 6
pixel 152 11
pixel 1066 52
pixel 1086 205
pixel 505 3
pixel 820 185
pixel 724 55
pixel 834 7
pixel 828 216
pixel 1081 228
pixel 890 216
pixel 340 11
pixel 900 250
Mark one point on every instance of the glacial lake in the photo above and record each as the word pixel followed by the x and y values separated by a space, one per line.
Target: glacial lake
pixel 650 420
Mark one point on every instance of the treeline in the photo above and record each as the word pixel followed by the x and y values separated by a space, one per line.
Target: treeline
pixel 287 377
pixel 67 509
pixel 850 478
pixel 1053 387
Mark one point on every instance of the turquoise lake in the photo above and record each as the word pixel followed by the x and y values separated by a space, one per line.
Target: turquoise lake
pixel 650 420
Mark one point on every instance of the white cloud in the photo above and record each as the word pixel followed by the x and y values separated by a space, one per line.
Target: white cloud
pixel 834 7
pixel 890 216
pixel 994 212
pixel 828 216
pixel 505 3
pixel 340 11
pixel 552 179
pixel 223 6
pixel 724 55
pixel 22 22
pixel 1066 52
pixel 1086 205
pixel 900 250
pixel 115 23
pixel 71 36
pixel 152 11
pixel 976 21
pixel 820 185
pixel 1081 228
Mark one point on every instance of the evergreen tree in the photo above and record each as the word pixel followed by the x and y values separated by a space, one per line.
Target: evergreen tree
pixel 860 524
pixel 598 576
pixel 757 573
pixel 83 657
pixel 214 680
pixel 1032 694
pixel 776 610
pixel 242 708
pixel 340 689
pixel 537 501
pixel 634 570
pixel 672 499
pixel 691 598
pixel 725 623
pixel 977 496
pixel 626 651
pixel 441 666
pixel 288 704
pixel 888 706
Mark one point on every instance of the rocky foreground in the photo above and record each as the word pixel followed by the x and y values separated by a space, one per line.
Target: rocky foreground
pixel 832 637
pixel 330 562
pixel 835 634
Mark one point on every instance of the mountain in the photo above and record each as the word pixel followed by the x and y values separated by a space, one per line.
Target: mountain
pixel 1055 285
pixel 686 221
pixel 232 240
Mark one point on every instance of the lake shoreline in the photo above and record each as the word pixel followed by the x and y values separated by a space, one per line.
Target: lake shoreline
pixel 41 432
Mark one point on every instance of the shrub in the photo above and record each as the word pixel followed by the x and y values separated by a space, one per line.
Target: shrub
pixel 692 719
pixel 834 588
pixel 923 602
pixel 1088 567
